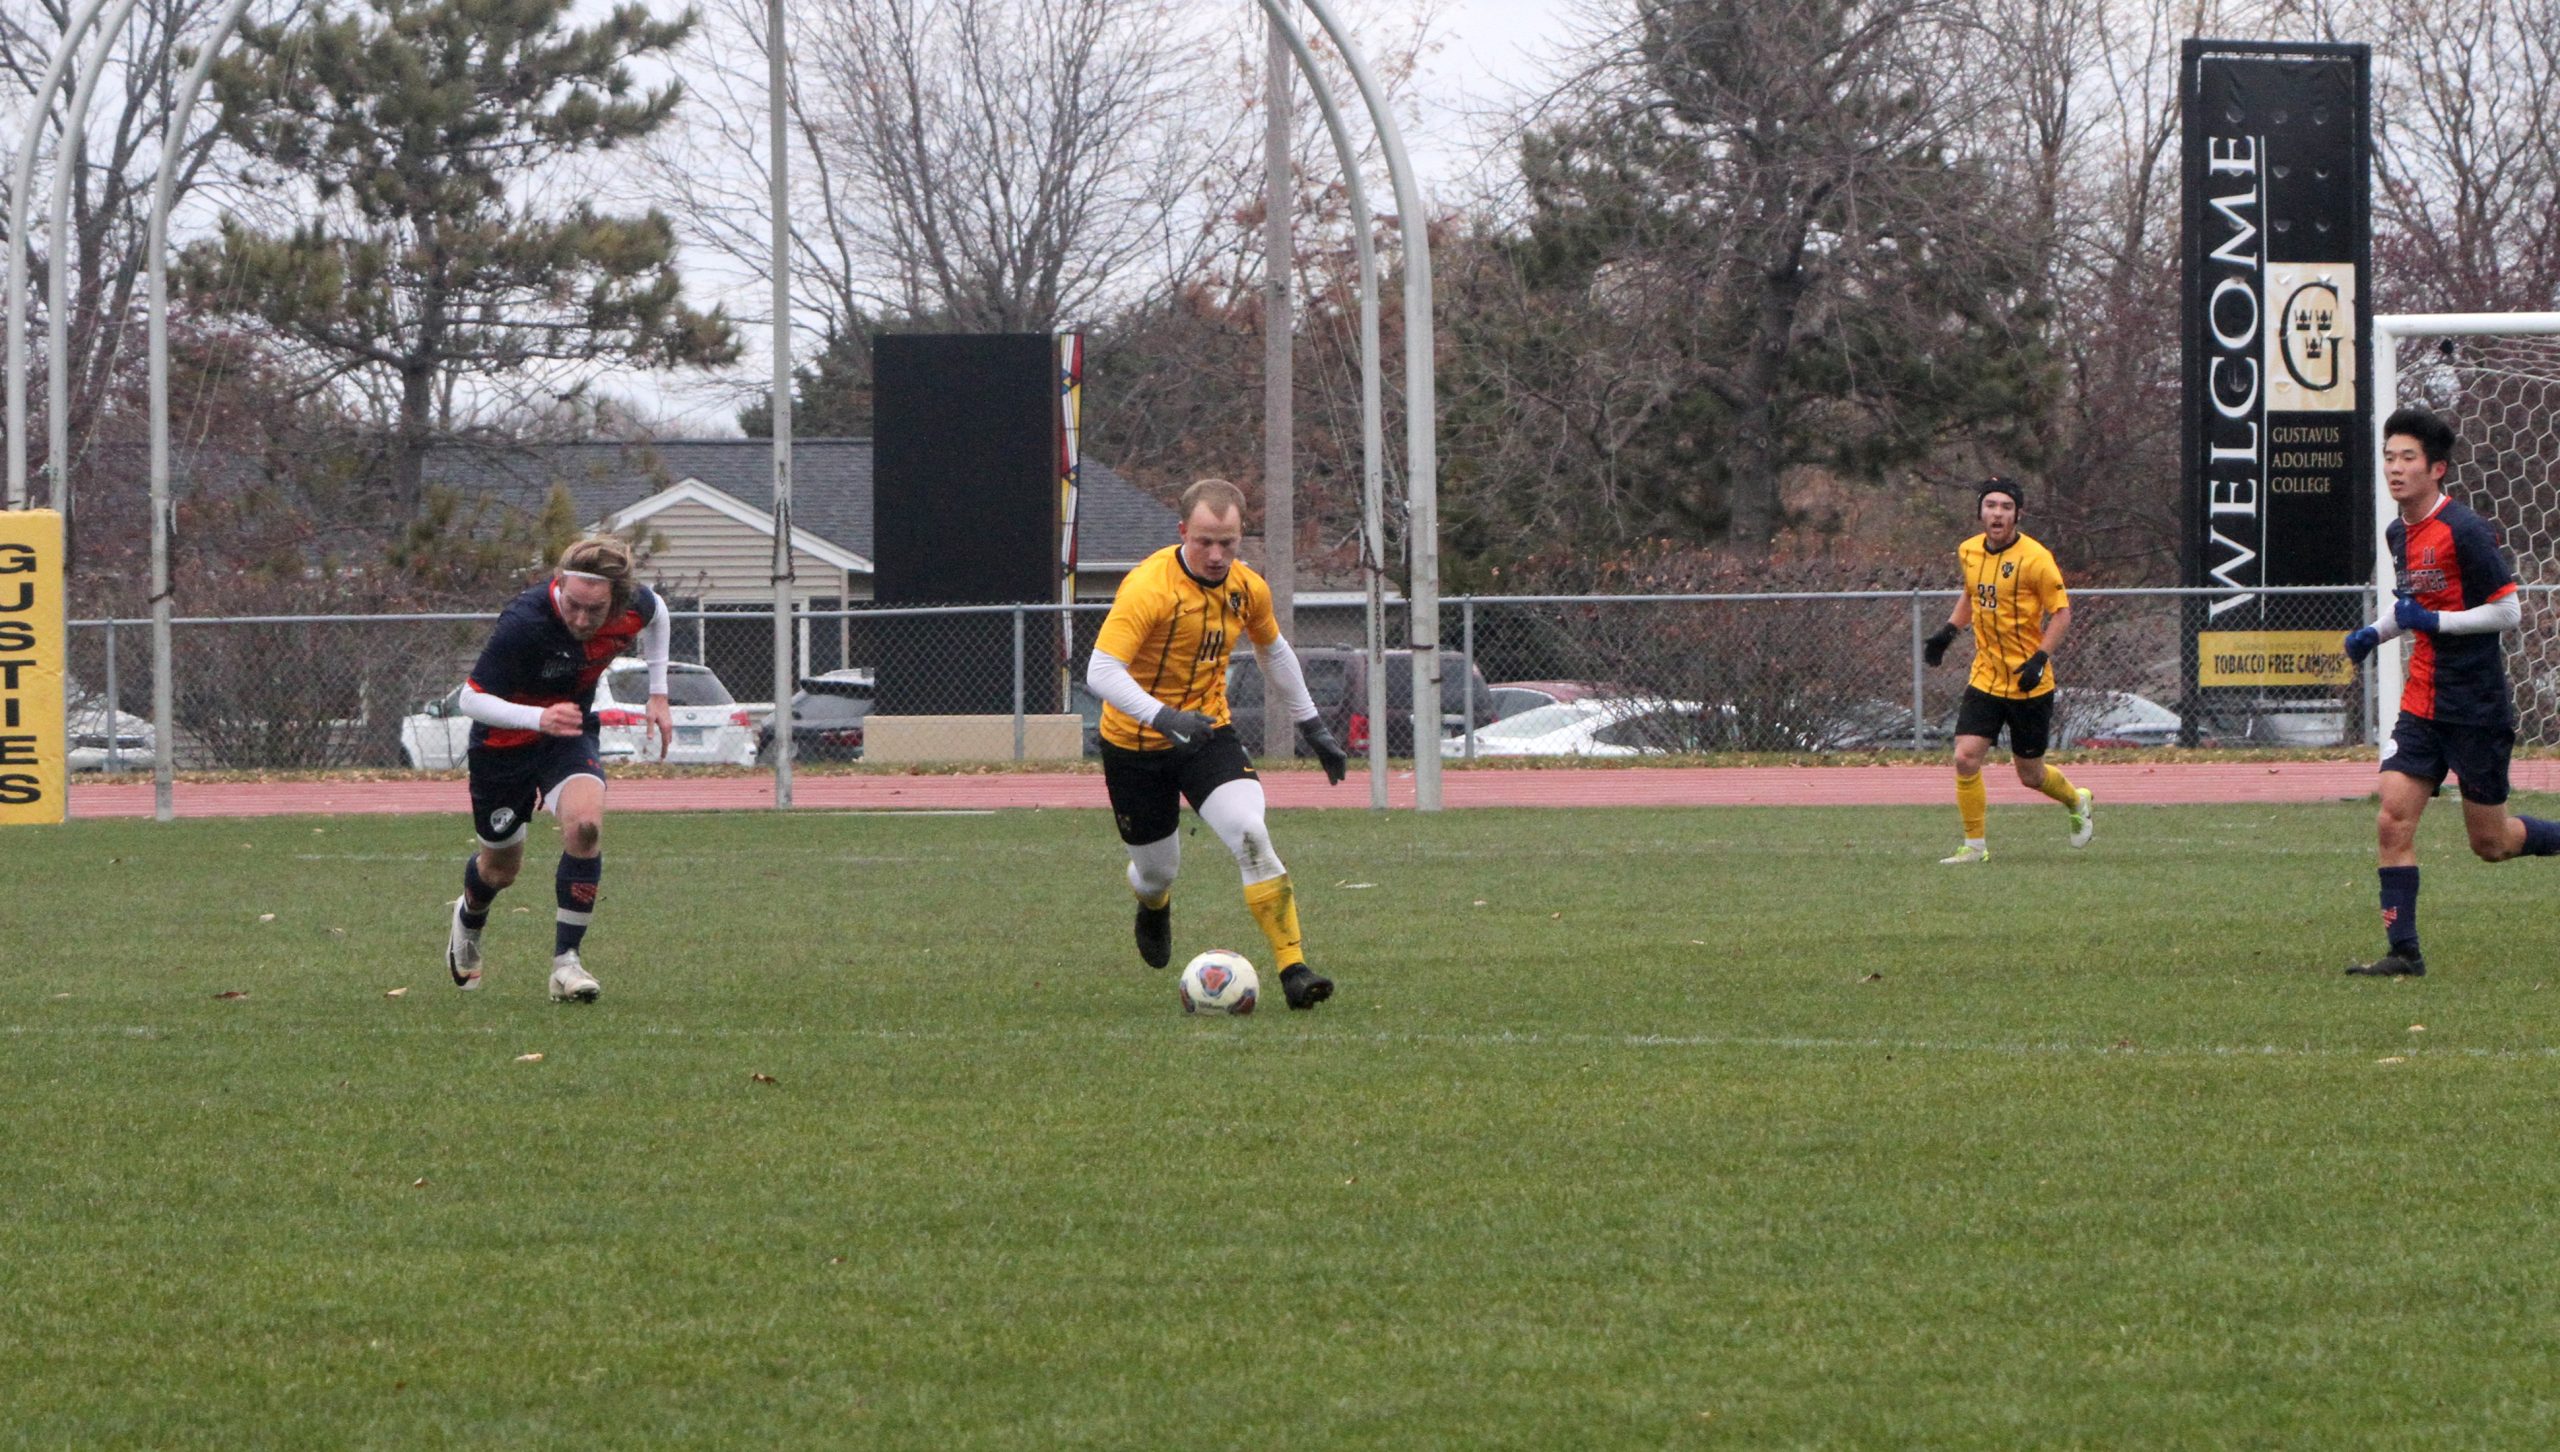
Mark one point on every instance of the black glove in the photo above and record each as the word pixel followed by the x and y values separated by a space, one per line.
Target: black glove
pixel 1329 751
pixel 1936 650
pixel 1185 729
pixel 2031 675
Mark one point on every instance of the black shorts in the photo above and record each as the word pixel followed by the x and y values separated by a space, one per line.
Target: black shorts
pixel 509 783
pixel 2477 754
pixel 1148 787
pixel 2030 721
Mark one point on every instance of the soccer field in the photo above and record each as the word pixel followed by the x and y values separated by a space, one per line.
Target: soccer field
pixel 1698 1128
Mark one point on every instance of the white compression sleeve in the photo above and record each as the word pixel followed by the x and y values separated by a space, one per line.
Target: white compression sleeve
pixel 1109 676
pixel 653 648
pixel 1234 812
pixel 2486 619
pixel 497 711
pixel 1288 679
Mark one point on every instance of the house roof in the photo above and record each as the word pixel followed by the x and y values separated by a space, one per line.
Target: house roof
pixel 1117 523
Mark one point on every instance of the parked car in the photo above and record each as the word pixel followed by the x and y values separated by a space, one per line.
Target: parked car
pixel 2084 716
pixel 105 739
pixel 1082 701
pixel 1510 698
pixel 826 717
pixel 712 729
pixel 436 736
pixel 1598 726
pixel 1338 678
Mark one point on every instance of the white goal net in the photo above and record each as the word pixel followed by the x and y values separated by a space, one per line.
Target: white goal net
pixel 2496 378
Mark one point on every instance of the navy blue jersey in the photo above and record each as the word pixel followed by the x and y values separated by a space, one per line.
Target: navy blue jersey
pixel 2450 560
pixel 531 658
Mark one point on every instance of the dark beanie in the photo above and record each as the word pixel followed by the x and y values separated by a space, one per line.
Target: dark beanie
pixel 1999 484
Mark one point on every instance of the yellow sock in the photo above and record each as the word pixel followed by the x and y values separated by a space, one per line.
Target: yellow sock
pixel 2059 787
pixel 1973 801
pixel 1156 903
pixel 1274 905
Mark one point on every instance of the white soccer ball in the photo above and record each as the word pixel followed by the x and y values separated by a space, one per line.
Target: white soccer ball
pixel 1219 981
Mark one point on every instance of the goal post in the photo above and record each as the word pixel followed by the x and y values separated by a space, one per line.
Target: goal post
pixel 2496 378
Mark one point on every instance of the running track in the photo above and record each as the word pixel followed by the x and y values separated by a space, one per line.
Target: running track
pixel 1756 786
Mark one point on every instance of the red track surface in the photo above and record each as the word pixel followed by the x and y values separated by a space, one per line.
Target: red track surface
pixel 1761 786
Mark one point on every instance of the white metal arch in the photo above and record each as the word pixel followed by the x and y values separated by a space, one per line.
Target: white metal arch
pixel 22 181
pixel 1421 421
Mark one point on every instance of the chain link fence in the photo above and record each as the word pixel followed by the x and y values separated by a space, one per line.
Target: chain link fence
pixel 1708 673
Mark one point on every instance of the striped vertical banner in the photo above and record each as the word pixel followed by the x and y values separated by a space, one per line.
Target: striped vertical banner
pixel 1070 454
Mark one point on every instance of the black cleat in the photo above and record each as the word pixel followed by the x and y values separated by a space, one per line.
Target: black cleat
pixel 2394 964
pixel 1155 934
pixel 1302 987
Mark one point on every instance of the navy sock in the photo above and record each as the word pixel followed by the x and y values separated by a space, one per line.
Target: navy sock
pixel 476 895
pixel 576 883
pixel 2400 909
pixel 2541 836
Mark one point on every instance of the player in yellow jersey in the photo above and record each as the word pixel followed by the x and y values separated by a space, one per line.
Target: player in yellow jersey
pixel 2018 610
pixel 1160 667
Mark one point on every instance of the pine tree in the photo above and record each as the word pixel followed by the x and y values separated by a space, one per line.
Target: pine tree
pixel 427 130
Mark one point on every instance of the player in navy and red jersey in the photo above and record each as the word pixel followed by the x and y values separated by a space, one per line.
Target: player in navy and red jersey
pixel 2456 595
pixel 535 744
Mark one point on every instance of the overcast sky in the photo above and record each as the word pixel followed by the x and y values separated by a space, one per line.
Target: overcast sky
pixel 1484 54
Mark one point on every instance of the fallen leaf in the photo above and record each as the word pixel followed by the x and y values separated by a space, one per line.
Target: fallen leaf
pixel 419 1183
pixel 762 1078
pixel 2393 1059
pixel 835 1260
pixel 337 932
pixel 528 1058
pixel 1872 978
pixel 2122 1044
pixel 1480 902
pixel 524 909
pixel 62 995
pixel 395 992
pixel 233 993
pixel 1555 917
pixel 1697 942
pixel 266 917
pixel 2417 1028
pixel 1355 1179
pixel 1355 885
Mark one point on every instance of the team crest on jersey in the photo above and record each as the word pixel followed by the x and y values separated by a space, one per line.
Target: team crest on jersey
pixel 1235 601
pixel 2009 568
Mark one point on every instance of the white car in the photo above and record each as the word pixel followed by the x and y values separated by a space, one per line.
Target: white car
pixel 712 729
pixel 107 740
pixel 1594 726
pixel 2085 716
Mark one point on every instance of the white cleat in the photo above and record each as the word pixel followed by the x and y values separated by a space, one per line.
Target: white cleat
pixel 571 982
pixel 2084 819
pixel 462 952
pixel 1969 853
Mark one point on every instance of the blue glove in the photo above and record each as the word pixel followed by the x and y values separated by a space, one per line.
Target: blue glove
pixel 2412 615
pixel 2363 641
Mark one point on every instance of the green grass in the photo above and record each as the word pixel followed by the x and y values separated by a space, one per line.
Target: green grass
pixel 1610 1140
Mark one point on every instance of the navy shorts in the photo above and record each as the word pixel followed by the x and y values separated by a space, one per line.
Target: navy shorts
pixel 1148 788
pixel 508 784
pixel 2477 754
pixel 2029 720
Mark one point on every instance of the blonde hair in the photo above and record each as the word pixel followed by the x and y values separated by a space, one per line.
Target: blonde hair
pixel 1218 494
pixel 608 557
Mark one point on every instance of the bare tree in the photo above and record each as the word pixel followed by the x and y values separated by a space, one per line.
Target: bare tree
pixel 110 186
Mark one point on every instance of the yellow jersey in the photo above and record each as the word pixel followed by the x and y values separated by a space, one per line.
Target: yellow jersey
pixel 1177 632
pixel 2013 591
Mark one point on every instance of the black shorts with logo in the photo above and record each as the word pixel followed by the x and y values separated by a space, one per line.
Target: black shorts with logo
pixel 1148 788
pixel 2030 721
pixel 2477 754
pixel 509 783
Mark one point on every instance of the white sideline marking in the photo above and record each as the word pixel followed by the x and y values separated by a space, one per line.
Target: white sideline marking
pixel 1507 1038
